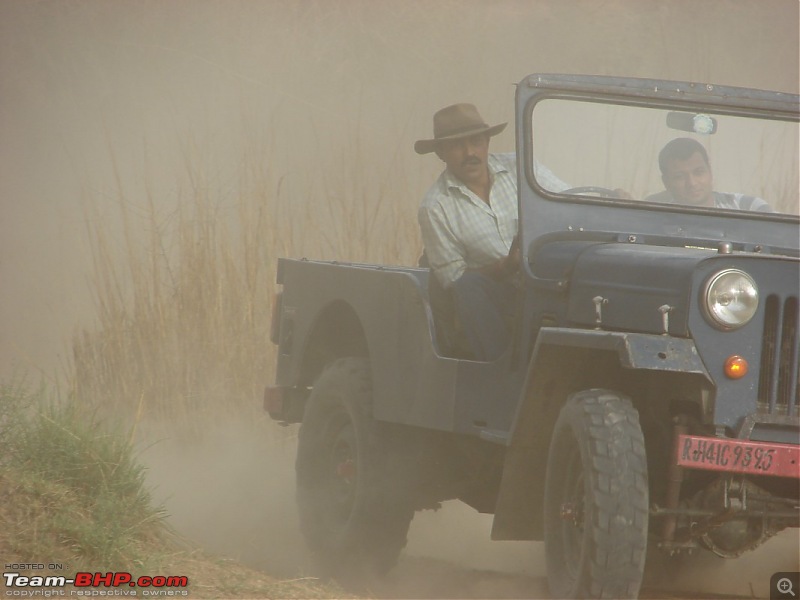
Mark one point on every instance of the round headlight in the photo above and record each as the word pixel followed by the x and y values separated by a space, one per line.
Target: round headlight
pixel 731 298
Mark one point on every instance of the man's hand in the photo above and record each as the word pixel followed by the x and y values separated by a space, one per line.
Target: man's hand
pixel 506 266
pixel 513 258
pixel 513 252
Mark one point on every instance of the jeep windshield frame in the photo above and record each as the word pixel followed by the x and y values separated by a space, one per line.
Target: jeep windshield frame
pixel 548 214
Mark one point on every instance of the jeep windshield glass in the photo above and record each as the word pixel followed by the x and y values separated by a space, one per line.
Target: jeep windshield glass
pixel 611 153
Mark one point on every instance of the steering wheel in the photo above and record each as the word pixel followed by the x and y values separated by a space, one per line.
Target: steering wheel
pixel 592 189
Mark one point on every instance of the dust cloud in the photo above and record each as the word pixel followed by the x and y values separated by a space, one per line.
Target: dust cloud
pixel 230 491
pixel 109 103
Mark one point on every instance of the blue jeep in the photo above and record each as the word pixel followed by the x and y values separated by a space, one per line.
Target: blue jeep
pixel 650 394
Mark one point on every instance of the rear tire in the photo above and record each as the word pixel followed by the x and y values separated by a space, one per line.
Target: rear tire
pixel 353 521
pixel 596 499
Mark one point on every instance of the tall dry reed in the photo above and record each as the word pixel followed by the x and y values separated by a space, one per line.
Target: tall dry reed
pixel 183 294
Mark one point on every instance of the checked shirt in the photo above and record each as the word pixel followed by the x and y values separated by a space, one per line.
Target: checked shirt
pixel 460 231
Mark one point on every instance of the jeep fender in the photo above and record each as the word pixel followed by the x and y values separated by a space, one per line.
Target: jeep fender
pixel 565 361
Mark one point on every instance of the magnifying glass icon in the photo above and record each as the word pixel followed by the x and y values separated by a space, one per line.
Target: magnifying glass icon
pixel 784 586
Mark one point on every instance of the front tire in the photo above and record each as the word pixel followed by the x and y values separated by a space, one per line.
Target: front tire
pixel 596 499
pixel 353 521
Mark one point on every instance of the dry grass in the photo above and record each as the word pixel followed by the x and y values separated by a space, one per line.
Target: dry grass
pixel 183 296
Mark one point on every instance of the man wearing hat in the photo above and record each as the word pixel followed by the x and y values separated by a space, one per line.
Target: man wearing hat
pixel 469 223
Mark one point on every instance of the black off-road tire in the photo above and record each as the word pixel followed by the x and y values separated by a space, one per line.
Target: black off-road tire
pixel 596 499
pixel 354 521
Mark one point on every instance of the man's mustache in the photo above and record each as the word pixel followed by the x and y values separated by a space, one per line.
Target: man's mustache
pixel 471 161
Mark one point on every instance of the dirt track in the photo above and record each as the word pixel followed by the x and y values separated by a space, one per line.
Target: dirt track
pixel 234 495
pixel 431 578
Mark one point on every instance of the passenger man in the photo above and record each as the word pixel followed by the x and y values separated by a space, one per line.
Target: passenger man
pixel 687 177
pixel 469 224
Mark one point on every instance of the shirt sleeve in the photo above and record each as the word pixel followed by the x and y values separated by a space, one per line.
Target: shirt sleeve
pixel 445 253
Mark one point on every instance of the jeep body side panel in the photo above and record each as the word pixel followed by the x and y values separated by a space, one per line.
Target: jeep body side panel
pixel 387 306
pixel 412 383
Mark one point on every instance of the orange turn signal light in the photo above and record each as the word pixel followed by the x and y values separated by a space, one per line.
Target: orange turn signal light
pixel 735 367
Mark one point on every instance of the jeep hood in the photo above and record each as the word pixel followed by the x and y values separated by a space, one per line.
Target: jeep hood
pixel 630 286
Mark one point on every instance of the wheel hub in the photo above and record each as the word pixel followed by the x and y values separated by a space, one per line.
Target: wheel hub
pixel 346 470
pixel 572 513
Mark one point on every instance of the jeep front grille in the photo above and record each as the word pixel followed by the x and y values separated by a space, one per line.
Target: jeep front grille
pixel 778 388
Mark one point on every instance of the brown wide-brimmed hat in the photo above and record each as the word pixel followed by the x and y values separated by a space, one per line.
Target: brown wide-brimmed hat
pixel 454 122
